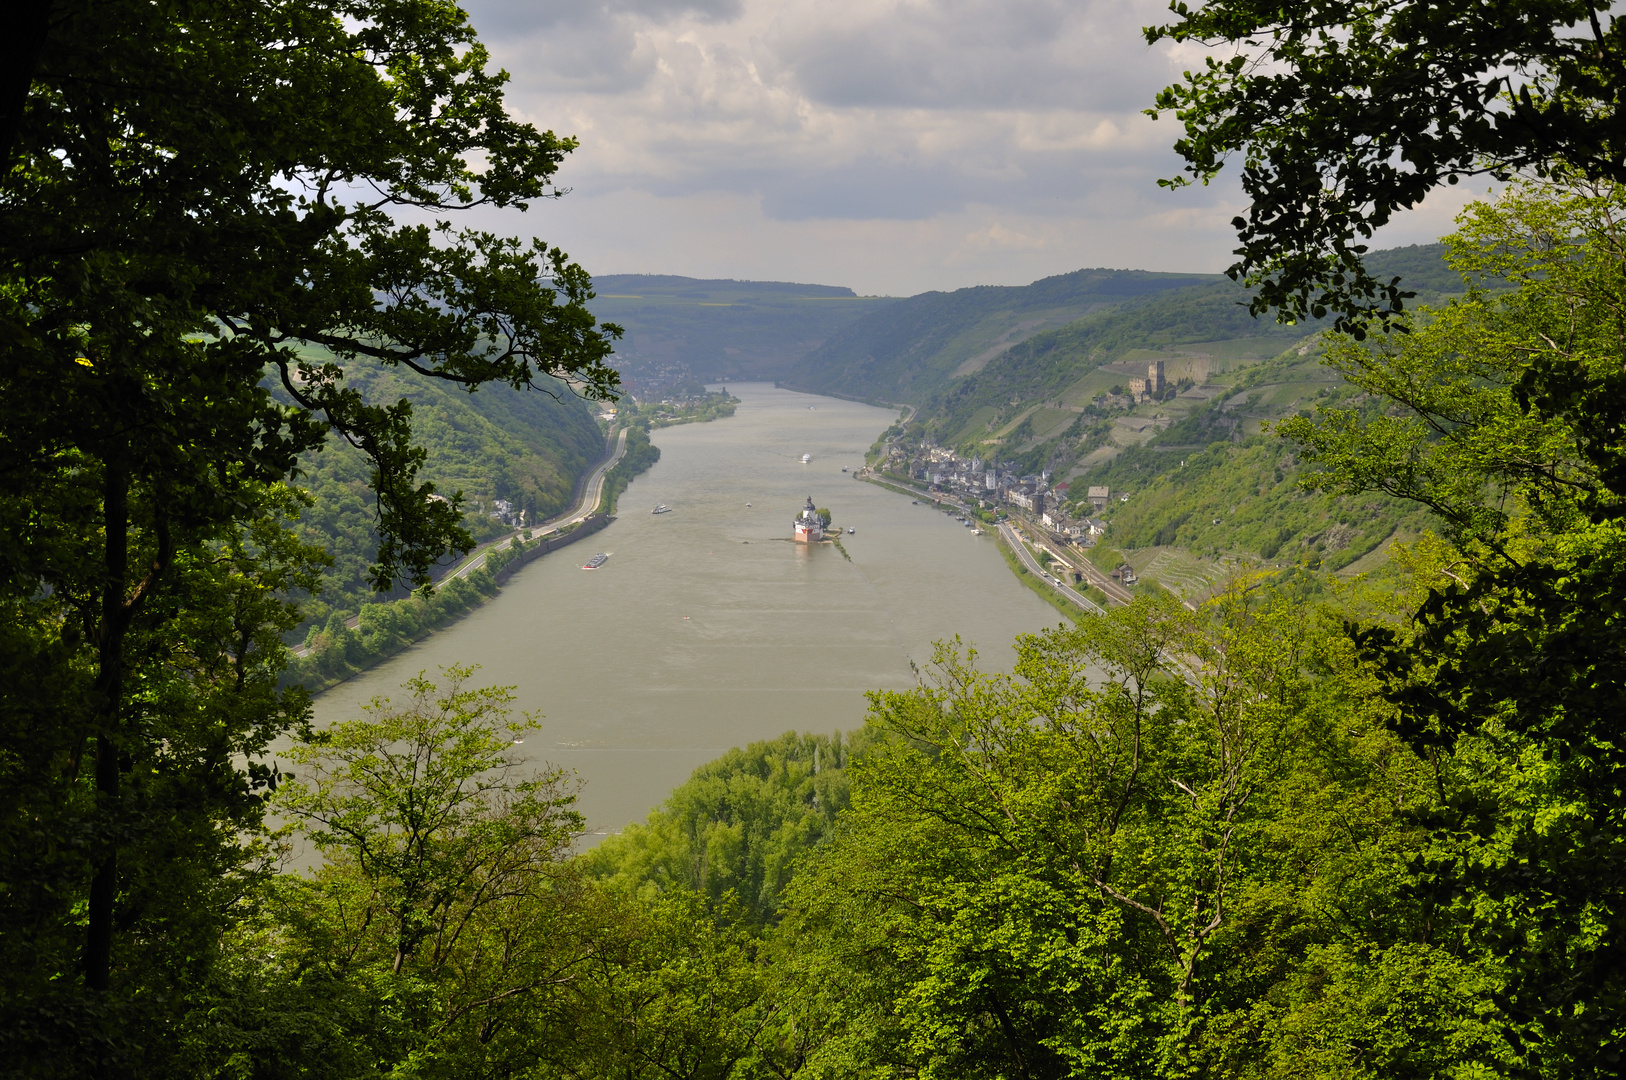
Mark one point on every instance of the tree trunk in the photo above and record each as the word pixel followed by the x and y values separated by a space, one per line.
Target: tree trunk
pixel 109 688
pixel 20 49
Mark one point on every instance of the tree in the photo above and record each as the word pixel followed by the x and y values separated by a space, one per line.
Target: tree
pixel 1172 844
pixel 675 992
pixel 1506 419
pixel 200 195
pixel 201 661
pixel 737 831
pixel 1345 111
pixel 1503 413
pixel 441 894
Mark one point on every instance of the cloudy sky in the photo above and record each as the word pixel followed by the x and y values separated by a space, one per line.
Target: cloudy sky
pixel 890 145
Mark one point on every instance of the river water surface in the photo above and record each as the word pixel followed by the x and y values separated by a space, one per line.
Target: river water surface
pixel 707 628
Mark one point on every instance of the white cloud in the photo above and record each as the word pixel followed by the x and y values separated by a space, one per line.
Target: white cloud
pixel 895 146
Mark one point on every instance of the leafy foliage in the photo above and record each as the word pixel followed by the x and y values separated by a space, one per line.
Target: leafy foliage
pixel 335 651
pixel 1171 844
pixel 1507 423
pixel 1346 111
pixel 739 827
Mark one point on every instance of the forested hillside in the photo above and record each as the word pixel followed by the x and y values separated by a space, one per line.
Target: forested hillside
pixel 1209 487
pixel 680 329
pixel 527 448
pixel 904 351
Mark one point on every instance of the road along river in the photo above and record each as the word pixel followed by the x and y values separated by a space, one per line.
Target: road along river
pixel 707 628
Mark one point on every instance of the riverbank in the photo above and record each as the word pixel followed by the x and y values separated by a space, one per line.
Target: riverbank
pixel 351 644
pixel 1092 601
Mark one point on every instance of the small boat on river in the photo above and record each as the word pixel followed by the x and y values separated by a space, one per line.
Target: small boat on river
pixel 661 508
pixel 595 562
pixel 806 458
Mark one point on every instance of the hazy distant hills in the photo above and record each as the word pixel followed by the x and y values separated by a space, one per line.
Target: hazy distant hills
pixel 907 349
pixel 682 328
pixel 827 339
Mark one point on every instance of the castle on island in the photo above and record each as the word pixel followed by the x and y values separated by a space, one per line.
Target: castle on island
pixel 807 528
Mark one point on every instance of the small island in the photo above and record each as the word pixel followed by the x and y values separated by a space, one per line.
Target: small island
pixel 808 526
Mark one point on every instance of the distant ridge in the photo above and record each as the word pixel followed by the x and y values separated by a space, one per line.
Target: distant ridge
pixel 911 347
pixel 681 329
pixel 827 339
pixel 675 285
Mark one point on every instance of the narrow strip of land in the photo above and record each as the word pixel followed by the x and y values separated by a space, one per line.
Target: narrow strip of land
pixel 1113 591
pixel 591 492
pixel 1011 537
pixel 1101 581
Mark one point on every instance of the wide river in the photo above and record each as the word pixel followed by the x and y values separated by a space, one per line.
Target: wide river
pixel 707 628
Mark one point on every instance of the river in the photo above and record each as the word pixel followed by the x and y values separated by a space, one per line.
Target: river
pixel 707 628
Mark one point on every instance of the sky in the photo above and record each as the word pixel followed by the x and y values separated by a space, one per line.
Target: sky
pixel 893 146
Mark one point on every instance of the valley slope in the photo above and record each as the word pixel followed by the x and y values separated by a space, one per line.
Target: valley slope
pixel 1209 489
pixel 527 449
pixel 912 347
pixel 682 330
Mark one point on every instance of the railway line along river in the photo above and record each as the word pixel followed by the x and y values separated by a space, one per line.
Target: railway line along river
pixel 707 628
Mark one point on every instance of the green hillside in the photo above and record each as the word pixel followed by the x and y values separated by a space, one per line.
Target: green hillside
pixel 1210 488
pixel 1216 490
pixel 906 350
pixel 1056 398
pixel 680 329
pixel 1198 332
pixel 527 448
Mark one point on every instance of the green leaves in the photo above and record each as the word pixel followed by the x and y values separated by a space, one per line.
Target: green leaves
pixel 1127 859
pixel 421 803
pixel 1502 412
pixel 436 934
pixel 1345 112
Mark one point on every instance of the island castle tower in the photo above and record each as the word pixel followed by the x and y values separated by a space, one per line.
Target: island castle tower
pixel 807 528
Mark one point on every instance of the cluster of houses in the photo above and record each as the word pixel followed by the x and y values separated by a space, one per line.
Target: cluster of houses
pixel 992 484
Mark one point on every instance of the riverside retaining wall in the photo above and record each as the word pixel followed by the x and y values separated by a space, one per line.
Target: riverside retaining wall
pixel 590 525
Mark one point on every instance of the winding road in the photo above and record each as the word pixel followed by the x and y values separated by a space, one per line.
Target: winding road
pixel 592 491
